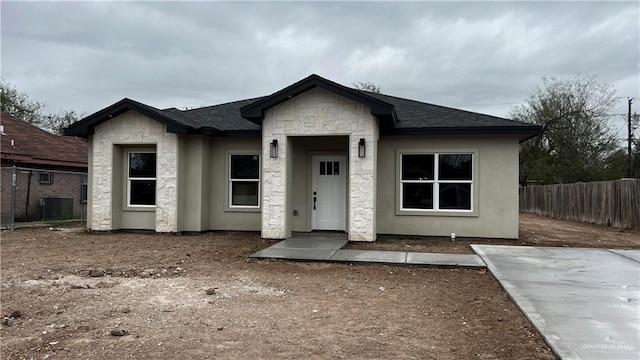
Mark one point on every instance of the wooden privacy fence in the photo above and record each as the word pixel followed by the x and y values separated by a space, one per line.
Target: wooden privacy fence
pixel 612 203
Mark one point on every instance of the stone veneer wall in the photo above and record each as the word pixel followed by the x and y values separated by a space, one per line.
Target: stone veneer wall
pixel 318 112
pixel 363 184
pixel 132 128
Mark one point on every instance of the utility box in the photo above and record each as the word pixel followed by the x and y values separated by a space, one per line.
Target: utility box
pixel 57 208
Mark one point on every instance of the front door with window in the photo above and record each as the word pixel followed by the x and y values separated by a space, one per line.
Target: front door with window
pixel 328 200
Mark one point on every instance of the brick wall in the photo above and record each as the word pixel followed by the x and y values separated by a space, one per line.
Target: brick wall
pixel 30 192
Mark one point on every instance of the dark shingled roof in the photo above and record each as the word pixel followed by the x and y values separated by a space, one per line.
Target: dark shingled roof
pixel 410 117
pixel 225 117
pixel 417 117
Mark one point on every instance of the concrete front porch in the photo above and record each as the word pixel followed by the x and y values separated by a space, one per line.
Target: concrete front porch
pixel 328 246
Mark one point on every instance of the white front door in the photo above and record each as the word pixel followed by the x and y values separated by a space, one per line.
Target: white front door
pixel 328 201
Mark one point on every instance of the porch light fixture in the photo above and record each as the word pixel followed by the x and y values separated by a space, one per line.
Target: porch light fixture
pixel 273 149
pixel 361 149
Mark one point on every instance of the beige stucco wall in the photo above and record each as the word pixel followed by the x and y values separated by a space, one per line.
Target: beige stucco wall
pixel 194 183
pixel 318 112
pixel 496 188
pixel 220 216
pixel 107 144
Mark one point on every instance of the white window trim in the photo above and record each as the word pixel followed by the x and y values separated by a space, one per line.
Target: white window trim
pixel 231 180
pixel 129 179
pixel 400 210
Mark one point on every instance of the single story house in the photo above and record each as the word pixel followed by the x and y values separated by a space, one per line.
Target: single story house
pixel 315 155
pixel 50 173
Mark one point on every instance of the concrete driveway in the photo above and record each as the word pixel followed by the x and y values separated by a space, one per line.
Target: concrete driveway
pixel 584 302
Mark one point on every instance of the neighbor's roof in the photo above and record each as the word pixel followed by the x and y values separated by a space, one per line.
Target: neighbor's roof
pixel 243 118
pixel 34 146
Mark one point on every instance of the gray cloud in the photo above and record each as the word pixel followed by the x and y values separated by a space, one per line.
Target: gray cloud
pixel 481 56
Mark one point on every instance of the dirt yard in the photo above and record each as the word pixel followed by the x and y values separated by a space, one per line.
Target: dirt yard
pixel 199 297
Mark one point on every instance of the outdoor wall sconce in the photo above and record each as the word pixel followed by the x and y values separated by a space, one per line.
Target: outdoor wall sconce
pixel 273 149
pixel 361 149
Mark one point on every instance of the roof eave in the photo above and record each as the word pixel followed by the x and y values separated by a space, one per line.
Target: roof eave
pixel 86 126
pixel 210 131
pixel 525 132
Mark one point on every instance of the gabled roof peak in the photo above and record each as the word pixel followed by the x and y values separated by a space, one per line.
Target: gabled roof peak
pixel 86 126
pixel 381 109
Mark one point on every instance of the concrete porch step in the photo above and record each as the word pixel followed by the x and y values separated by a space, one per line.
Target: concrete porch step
pixel 330 250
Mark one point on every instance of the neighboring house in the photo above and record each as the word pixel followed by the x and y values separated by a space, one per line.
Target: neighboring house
pixel 315 155
pixel 46 167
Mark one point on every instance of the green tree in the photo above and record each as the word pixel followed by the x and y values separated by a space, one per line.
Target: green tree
pixel 33 112
pixel 616 165
pixel 19 104
pixel 575 142
pixel 635 159
pixel 56 122
pixel 367 86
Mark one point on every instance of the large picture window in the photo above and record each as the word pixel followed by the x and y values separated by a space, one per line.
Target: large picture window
pixel 436 182
pixel 244 181
pixel 141 179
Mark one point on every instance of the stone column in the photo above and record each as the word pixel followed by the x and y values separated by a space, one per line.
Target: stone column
pixel 167 183
pixel 362 188
pixel 101 181
pixel 274 185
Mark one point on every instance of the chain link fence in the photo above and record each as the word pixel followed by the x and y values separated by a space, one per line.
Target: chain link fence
pixel 41 195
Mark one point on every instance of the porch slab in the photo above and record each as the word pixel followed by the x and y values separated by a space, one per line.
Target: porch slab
pixel 369 256
pixel 328 247
pixel 295 254
pixel 316 243
pixel 454 260
pixel 316 248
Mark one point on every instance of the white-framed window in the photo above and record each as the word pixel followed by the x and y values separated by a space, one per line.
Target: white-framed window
pixel 244 181
pixel 436 182
pixel 141 178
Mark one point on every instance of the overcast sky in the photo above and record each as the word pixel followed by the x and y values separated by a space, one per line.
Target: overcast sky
pixel 481 56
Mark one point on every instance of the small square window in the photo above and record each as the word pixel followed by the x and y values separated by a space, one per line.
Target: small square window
pixel 454 167
pixel 143 192
pixel 417 167
pixel 244 193
pixel 46 177
pixel 244 167
pixel 417 195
